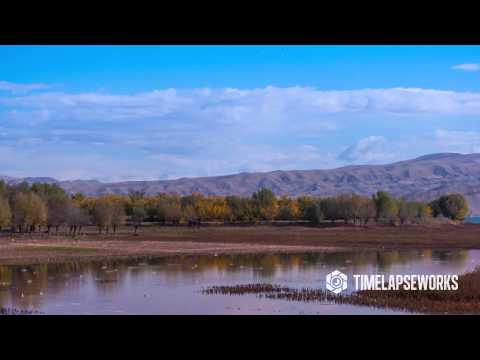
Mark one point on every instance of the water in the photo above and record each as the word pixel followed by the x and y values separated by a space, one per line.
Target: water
pixel 172 285
pixel 473 219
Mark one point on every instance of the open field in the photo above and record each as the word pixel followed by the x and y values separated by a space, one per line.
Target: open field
pixel 155 241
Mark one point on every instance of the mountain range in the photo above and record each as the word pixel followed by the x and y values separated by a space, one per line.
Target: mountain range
pixel 422 178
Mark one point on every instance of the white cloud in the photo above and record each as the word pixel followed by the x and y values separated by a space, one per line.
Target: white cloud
pixel 231 106
pixel 199 132
pixel 21 88
pixel 458 141
pixel 371 149
pixel 467 67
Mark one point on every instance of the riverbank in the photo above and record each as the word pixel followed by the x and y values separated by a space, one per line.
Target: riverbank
pixel 159 241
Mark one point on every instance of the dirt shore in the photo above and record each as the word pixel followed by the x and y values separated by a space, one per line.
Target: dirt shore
pixel 157 241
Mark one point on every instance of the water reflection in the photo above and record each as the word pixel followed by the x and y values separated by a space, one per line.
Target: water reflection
pixel 171 285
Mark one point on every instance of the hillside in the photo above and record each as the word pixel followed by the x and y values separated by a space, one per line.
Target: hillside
pixel 422 178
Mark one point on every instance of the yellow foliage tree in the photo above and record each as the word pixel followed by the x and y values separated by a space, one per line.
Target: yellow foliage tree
pixel 5 213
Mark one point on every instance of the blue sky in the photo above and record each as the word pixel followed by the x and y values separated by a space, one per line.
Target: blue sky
pixel 160 112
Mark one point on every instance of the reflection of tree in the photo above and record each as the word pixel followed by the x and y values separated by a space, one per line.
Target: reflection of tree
pixel 25 283
pixel 6 276
pixel 386 259
pixel 108 277
pixel 451 256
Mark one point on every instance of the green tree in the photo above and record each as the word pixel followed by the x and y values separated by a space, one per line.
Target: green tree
pixel 424 211
pixel 386 207
pixel 314 214
pixel 364 209
pixel 454 206
pixel 330 208
pixel 407 211
pixel 241 209
pixel 304 202
pixel 265 203
pixel 138 214
pixel 435 206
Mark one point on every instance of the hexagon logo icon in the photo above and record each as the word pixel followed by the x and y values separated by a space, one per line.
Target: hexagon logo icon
pixel 336 282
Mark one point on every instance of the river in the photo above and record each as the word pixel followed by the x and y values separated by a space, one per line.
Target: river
pixel 173 285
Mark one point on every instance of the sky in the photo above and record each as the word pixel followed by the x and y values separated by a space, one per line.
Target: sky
pixel 117 113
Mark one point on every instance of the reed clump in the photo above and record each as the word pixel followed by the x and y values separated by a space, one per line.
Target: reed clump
pixel 245 289
pixel 15 311
pixel 465 300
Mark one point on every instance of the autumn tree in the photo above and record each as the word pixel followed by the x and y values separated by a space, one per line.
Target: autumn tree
pixel 191 208
pixel 3 189
pixel 118 216
pixel 190 215
pixel 165 209
pixel 136 198
pixel 363 209
pixel 57 202
pixel 407 211
pixel 265 203
pixel 424 211
pixel 76 218
pixel 78 197
pixel 5 213
pixel 102 215
pixel 29 211
pixel 344 207
pixel 136 195
pixel 241 209
pixel 288 209
pixel 173 213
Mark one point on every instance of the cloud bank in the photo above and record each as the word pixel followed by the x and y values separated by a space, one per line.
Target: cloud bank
pixel 467 67
pixel 172 133
pixel 21 88
pixel 230 105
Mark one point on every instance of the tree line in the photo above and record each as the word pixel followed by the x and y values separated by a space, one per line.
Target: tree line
pixel 47 207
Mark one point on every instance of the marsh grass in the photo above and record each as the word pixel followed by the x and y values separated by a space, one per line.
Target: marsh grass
pixel 15 311
pixel 465 300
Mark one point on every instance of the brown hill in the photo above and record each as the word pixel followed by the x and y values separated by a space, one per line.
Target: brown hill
pixel 422 178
